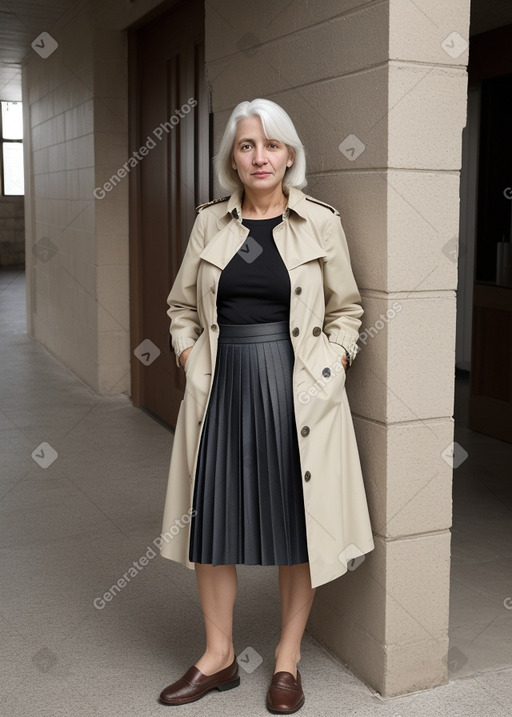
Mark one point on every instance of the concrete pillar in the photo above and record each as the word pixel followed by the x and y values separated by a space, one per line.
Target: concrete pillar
pixel 378 95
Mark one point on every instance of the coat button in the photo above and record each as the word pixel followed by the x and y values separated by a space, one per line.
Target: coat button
pixel 305 431
pixel 317 331
pixel 295 331
pixel 298 290
pixel 307 476
pixel 214 327
pixel 212 288
pixel 326 372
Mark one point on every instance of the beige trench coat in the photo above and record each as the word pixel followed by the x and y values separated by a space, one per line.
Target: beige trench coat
pixel 324 320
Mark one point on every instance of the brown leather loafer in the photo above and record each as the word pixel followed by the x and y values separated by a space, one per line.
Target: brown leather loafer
pixel 285 693
pixel 194 685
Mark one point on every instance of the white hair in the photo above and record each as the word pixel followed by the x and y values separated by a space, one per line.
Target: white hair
pixel 276 125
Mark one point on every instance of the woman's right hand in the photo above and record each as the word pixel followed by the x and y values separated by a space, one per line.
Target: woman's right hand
pixel 184 355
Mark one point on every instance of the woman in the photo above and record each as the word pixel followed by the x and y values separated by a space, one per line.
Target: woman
pixel 264 469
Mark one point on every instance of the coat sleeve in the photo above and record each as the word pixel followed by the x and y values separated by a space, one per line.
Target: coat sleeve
pixel 342 298
pixel 185 327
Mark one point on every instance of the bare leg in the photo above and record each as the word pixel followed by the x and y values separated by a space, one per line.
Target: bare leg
pixel 296 600
pixel 217 591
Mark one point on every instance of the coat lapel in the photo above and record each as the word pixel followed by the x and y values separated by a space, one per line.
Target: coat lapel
pixel 224 245
pixel 295 244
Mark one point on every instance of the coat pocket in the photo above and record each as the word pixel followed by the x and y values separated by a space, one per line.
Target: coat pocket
pixel 324 376
pixel 191 358
pixel 338 349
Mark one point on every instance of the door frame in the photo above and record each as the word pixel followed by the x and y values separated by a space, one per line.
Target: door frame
pixel 135 251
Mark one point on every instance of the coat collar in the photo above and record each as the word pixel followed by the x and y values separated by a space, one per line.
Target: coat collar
pixel 296 203
pixel 294 239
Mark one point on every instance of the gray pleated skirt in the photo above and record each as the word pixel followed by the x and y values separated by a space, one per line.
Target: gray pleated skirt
pixel 248 487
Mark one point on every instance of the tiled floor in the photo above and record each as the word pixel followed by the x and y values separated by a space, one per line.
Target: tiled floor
pixel 70 530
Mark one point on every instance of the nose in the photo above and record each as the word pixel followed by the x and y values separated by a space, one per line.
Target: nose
pixel 259 156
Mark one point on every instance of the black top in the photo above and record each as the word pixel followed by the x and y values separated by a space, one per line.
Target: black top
pixel 254 286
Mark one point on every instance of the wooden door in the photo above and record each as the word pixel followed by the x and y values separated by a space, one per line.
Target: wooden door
pixel 169 113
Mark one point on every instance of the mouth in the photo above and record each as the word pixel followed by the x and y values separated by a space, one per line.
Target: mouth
pixel 261 174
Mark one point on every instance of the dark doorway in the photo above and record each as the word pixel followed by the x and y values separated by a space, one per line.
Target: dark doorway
pixel 490 401
pixel 169 113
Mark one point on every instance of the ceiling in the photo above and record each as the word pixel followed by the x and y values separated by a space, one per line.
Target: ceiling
pixel 22 21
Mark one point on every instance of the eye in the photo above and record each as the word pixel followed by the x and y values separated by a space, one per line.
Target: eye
pixel 246 144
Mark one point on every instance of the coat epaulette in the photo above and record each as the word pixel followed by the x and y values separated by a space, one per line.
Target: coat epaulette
pixel 324 204
pixel 213 201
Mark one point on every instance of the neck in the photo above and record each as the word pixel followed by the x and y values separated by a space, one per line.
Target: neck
pixel 263 204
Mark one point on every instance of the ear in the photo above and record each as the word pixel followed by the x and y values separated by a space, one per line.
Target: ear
pixel 291 157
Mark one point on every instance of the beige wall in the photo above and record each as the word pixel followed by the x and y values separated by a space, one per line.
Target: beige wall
pixel 378 70
pixel 12 231
pixel 76 137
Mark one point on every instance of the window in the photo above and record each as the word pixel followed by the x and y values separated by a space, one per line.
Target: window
pixel 11 136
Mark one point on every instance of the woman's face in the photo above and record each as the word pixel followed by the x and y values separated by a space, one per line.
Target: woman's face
pixel 261 162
